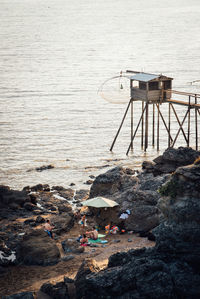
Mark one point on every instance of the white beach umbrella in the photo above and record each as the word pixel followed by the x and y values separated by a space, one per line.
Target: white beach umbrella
pixel 100 202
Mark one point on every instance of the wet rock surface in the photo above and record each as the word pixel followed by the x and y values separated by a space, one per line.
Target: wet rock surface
pixel 172 268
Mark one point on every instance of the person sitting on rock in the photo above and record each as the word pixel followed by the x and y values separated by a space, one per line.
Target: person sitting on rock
pixel 93 234
pixel 84 239
pixel 48 228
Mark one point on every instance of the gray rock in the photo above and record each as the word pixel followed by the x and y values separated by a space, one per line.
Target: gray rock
pixel 23 295
pixel 169 270
pixel 57 291
pixel 67 258
pixel 37 248
pixel 71 245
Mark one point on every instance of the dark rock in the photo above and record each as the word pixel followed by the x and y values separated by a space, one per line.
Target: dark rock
pixel 57 291
pixel 68 280
pixel 173 158
pixel 88 182
pixel 2 271
pixel 58 188
pixel 136 220
pixel 63 222
pixel 28 221
pixel 71 245
pixel 33 198
pixel 23 295
pixel 37 188
pixel 67 258
pixel 68 194
pixel 87 267
pixel 10 197
pixel 72 184
pixel 37 248
pixel 148 166
pixel 29 206
pixel 112 181
pixel 81 194
pixel 44 167
pixel 40 219
pixel 64 208
pixel 169 270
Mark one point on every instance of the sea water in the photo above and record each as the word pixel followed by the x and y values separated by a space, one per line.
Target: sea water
pixel 55 54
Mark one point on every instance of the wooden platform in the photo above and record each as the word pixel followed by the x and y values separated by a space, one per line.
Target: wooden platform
pixel 177 102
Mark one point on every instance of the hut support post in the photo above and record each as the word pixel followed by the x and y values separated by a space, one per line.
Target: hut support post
pixel 158 125
pixel 146 127
pixel 181 128
pixel 131 125
pixel 169 124
pixel 153 126
pixel 136 129
pixel 142 129
pixel 180 124
pixel 196 124
pixel 111 148
pixel 188 139
pixel 164 123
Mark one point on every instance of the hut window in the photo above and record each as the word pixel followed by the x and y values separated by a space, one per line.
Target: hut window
pixel 153 85
pixel 167 84
pixel 135 84
pixel 142 85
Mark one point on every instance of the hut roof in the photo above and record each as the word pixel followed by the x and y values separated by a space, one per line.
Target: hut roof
pixel 145 77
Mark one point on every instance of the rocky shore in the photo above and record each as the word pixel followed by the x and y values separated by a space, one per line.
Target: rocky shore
pixel 164 204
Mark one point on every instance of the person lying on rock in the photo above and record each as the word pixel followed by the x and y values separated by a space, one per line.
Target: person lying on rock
pixel 48 228
pixel 84 239
pixel 93 234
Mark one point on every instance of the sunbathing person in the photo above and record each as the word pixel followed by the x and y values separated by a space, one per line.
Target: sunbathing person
pixel 48 228
pixel 93 234
pixel 84 239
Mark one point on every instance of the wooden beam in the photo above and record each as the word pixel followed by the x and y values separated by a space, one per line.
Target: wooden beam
pixel 136 130
pixel 111 148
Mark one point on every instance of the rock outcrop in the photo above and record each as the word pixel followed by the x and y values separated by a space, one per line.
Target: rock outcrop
pixel 171 159
pixel 57 291
pixel 37 248
pixel 138 193
pixel 172 268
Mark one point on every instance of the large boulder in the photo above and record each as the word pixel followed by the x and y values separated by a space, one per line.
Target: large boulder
pixel 87 267
pixel 72 246
pixel 23 295
pixel 172 159
pixel 37 248
pixel 114 180
pixel 172 268
pixel 63 223
pixel 135 192
pixel 136 222
pixel 57 291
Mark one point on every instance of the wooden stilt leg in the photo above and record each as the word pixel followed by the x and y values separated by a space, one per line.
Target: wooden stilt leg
pixel 146 127
pixel 153 126
pixel 131 125
pixel 158 127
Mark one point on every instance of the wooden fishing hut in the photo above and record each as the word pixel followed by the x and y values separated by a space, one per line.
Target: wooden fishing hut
pixel 156 90
pixel 150 88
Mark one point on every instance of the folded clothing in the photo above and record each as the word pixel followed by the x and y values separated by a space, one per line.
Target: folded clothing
pixel 98 241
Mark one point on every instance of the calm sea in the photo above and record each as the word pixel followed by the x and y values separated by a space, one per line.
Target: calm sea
pixel 55 54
